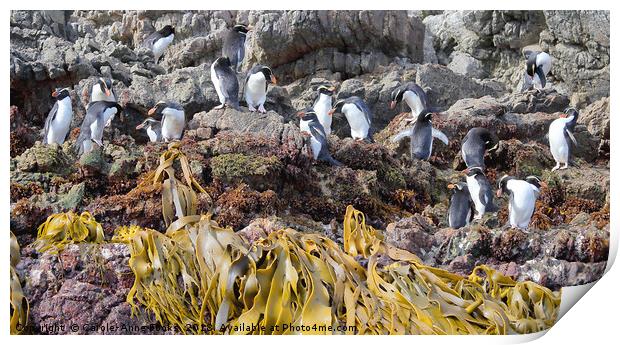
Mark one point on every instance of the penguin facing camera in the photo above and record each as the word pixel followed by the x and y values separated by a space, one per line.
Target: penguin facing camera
pixel 225 82
pixel 322 105
pixel 172 119
pixel 561 136
pixel 59 119
pixel 459 212
pixel 102 91
pixel 159 41
pixel 421 136
pixel 480 191
pixel 256 84
pixel 318 139
pixel 358 116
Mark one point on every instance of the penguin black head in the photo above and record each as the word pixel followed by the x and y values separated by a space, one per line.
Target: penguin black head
pixel 326 90
pixel 473 171
pixel 503 185
pixel 166 31
pixel 337 108
pixel 570 111
pixel 397 96
pixel 241 28
pixel 158 108
pixel 535 181
pixel 307 114
pixel 223 61
pixel 425 115
pixel 147 123
pixel 531 64
pixel 60 94
pixel 269 76
pixel 106 85
pixel 490 139
pixel 457 186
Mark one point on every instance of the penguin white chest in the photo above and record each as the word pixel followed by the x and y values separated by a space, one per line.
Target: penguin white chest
pixel 414 102
pixel 474 193
pixel 152 134
pixel 98 95
pixel 173 124
pixel 304 126
pixel 59 127
pixel 321 108
pixel 255 89
pixel 316 147
pixel 216 84
pixel 96 128
pixel 557 141
pixel 159 47
pixel 357 121
pixel 522 203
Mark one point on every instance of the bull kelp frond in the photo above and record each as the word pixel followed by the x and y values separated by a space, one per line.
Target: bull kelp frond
pixel 179 199
pixel 64 228
pixel 19 304
pixel 208 277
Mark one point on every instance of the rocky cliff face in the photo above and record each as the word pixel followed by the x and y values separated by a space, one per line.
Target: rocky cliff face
pixel 256 167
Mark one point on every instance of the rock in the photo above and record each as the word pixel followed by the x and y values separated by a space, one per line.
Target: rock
pixel 413 234
pixel 259 172
pixel 596 117
pixel 73 198
pixel 554 273
pixel 44 159
pixel 450 244
pixel 547 101
pixel 93 162
pixel 466 65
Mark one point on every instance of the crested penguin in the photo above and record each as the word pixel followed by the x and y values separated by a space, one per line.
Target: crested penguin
pixel 58 120
pixel 255 90
pixel 560 136
pixel 474 145
pixel 98 115
pixel 102 91
pixel 172 119
pixel 159 40
pixel 537 66
pixel 421 135
pixel 523 195
pixel 358 115
pixel 480 191
pixel 234 45
pixel 318 138
pixel 225 82
pixel 153 129
pixel 322 105
pixel 459 213
pixel 413 95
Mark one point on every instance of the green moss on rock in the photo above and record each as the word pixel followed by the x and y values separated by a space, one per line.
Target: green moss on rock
pixel 259 172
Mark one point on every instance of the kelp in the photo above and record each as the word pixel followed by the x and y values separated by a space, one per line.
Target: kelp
pixel 64 228
pixel 209 278
pixel 124 234
pixel 19 304
pixel 178 199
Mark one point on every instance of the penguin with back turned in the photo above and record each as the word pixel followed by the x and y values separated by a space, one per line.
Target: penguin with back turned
pixel 480 192
pixel 459 213
pixel 225 82
pixel 58 120
pixel 98 116
pixel 255 89
pixel 234 45
pixel 318 138
pixel 159 40
pixel 477 141
pixel 421 136
pixel 561 136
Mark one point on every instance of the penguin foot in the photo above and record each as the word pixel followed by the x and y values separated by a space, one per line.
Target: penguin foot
pixel 556 167
pixel 564 167
pixel 221 106
pixel 261 109
pixel 251 108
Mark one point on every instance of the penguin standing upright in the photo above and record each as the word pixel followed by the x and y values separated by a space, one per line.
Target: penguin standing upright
pixel 225 82
pixel 474 145
pixel 322 106
pixel 422 134
pixel 358 115
pixel 58 120
pixel 560 137
pixel 98 116
pixel 318 138
pixel 153 129
pixel 172 119
pixel 159 40
pixel 522 201
pixel 537 66
pixel 413 95
pixel 459 213
pixel 480 191
pixel 102 91
pixel 255 90
pixel 234 45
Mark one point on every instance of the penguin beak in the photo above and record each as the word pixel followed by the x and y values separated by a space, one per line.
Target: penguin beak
pixel 273 79
pixel 301 114
pixel 392 105
pixel 563 116
pixel 498 193
pixel 332 89
pixel 465 171
pixel 152 111
pixel 54 94
pixel 140 126
pixel 544 184
pixel 107 92
pixel 451 186
pixel 331 112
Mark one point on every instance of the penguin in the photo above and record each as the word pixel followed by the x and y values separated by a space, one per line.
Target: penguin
pixel 172 119
pixel 322 105
pixel 480 191
pixel 153 129
pixel 536 182
pixel 102 91
pixel 413 95
pixel 234 45
pixel 522 203
pixel 537 66
pixel 474 145
pixel 459 213
pixel 98 115
pixel 59 119
pixel 255 90
pixel 225 82
pixel 422 134
pixel 560 137
pixel 159 40
pixel 358 115
pixel 318 138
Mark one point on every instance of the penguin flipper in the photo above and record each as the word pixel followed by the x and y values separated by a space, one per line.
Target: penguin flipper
pixel 402 135
pixel 541 75
pixel 440 135
pixel 571 136
pixel 48 121
pixel 326 157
